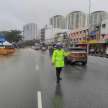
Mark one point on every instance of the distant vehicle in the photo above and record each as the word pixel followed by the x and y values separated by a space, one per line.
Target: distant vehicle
pixel 36 47
pixel 43 48
pixel 76 55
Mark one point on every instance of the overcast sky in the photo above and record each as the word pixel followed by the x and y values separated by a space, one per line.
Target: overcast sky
pixel 15 13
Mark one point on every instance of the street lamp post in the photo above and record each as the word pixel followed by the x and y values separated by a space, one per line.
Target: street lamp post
pixel 89 21
pixel 89 11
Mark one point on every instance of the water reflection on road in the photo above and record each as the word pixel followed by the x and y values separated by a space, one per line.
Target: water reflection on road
pixel 58 97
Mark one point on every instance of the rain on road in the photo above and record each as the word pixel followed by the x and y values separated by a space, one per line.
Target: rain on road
pixel 26 72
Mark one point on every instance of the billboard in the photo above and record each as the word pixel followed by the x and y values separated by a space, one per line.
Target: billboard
pixel 2 38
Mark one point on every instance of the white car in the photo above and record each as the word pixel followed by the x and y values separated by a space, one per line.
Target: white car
pixel 43 48
pixel 36 47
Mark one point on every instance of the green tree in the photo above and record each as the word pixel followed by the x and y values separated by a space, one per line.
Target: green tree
pixel 13 35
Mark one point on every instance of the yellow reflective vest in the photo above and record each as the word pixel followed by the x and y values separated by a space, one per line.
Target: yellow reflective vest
pixel 58 58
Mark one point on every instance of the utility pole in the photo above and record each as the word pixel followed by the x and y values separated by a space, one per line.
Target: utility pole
pixel 89 26
pixel 89 11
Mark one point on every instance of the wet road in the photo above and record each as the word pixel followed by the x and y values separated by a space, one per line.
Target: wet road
pixel 27 72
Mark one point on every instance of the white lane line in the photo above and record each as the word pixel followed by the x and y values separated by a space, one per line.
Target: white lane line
pixel 39 97
pixel 37 67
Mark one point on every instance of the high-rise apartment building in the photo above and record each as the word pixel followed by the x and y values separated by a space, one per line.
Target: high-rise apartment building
pixel 30 31
pixel 97 17
pixel 42 34
pixel 75 20
pixel 57 21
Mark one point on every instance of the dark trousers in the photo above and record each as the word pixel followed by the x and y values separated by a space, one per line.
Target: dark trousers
pixel 58 71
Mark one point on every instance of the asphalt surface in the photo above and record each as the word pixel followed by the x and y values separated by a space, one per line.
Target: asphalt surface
pixel 26 72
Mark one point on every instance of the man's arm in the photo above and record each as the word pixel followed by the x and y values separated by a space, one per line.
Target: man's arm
pixel 66 53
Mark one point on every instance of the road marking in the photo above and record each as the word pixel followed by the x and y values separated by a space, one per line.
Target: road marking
pixel 39 96
pixel 37 67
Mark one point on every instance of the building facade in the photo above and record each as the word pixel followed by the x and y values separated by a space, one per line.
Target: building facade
pixel 88 30
pixel 57 21
pixel 75 20
pixel 78 36
pixel 96 19
pixel 42 35
pixel 30 31
pixel 104 31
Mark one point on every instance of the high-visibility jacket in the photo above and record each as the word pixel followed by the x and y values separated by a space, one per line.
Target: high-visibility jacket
pixel 58 58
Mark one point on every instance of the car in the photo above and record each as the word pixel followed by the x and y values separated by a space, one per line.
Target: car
pixel 75 55
pixel 43 48
pixel 36 47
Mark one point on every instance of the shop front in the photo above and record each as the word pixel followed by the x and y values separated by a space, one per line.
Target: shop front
pixel 97 49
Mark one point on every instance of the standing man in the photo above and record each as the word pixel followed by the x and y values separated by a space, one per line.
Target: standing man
pixel 50 50
pixel 58 60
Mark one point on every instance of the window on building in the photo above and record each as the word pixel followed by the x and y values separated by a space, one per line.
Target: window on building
pixel 77 20
pixel 103 35
pixel 103 25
